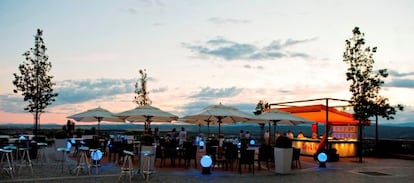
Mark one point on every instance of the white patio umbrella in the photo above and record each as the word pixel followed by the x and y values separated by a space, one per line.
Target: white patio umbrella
pixel 218 114
pixel 147 114
pixel 279 117
pixel 97 114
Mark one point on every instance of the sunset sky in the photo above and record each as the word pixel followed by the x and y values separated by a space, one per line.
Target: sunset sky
pixel 198 53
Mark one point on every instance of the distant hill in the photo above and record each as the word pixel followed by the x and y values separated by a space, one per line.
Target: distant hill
pixel 408 124
pixel 390 131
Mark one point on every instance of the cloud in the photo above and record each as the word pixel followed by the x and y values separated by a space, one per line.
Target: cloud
pixel 398 74
pixel 230 50
pixel 247 66
pixel 159 90
pixel 132 10
pixel 401 83
pixel 220 21
pixel 74 91
pixel 194 107
pixel 12 103
pixel 77 91
pixel 208 92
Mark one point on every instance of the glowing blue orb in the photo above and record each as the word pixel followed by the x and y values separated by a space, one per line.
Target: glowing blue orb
pixel 322 157
pixel 201 143
pixel 68 145
pixel 206 161
pixel 96 155
pixel 252 142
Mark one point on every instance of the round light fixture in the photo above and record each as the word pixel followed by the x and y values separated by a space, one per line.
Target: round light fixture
pixel 322 158
pixel 206 163
pixel 201 144
pixel 252 142
pixel 68 145
pixel 96 155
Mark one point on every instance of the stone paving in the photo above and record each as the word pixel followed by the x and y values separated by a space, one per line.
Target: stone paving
pixel 346 170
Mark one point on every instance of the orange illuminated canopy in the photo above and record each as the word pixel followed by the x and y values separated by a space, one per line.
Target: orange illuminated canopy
pixel 318 113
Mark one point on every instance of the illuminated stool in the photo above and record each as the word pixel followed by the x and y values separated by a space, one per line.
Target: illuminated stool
pixel 41 152
pixel 9 168
pixel 96 156
pixel 25 160
pixel 83 161
pixel 127 167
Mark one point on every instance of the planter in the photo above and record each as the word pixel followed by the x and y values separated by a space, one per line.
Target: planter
pixel 283 160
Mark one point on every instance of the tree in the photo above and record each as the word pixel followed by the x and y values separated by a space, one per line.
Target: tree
pixel 141 97
pixel 34 81
pixel 365 83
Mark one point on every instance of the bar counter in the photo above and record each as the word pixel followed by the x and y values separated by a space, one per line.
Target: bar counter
pixel 308 146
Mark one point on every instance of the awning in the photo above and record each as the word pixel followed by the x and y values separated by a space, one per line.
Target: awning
pixel 318 113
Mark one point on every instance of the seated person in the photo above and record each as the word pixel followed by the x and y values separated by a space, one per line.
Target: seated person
pixel 300 135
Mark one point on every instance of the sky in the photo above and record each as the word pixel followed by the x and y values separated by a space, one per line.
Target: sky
pixel 199 53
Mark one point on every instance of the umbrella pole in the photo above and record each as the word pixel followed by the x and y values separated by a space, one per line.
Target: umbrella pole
pixel 219 122
pixel 274 130
pixel 219 130
pixel 99 127
pixel 208 128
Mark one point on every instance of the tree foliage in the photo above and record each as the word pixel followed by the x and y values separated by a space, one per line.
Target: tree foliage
pixel 141 98
pixel 366 83
pixel 34 81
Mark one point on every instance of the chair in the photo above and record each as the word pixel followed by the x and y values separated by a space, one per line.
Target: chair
pixel 296 158
pixel 220 159
pixel 160 155
pixel 231 153
pixel 190 153
pixel 246 158
pixel 264 156
pixel 170 151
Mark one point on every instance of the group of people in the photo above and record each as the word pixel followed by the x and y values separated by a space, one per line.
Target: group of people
pixel 244 135
pixel 180 136
pixel 289 134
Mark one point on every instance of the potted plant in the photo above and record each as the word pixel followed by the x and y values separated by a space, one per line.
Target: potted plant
pixel 283 155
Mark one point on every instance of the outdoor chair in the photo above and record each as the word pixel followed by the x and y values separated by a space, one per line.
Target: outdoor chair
pixel 246 158
pixel 160 155
pixel 220 159
pixel 296 158
pixel 264 156
pixel 231 153
pixel 190 153
pixel 170 152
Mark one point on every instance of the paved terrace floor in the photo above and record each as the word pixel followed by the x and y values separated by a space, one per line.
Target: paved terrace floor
pixel 346 170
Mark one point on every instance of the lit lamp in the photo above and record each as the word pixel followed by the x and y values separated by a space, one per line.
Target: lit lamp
pixel 201 144
pixel 322 157
pixel 252 142
pixel 96 155
pixel 206 163
pixel 68 145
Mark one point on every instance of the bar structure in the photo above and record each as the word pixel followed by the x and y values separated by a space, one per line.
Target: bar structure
pixel 341 129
